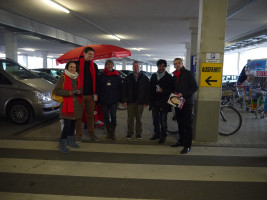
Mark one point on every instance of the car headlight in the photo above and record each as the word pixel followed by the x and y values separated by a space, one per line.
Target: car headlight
pixel 43 97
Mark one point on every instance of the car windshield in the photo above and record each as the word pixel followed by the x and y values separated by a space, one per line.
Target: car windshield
pixel 17 71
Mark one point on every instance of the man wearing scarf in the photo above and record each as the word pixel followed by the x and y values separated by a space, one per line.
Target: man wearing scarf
pixel 160 90
pixel 185 86
pixel 88 72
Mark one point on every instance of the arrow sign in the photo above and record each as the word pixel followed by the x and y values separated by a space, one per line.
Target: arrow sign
pixel 208 80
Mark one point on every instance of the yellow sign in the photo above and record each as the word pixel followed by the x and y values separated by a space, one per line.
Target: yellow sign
pixel 211 74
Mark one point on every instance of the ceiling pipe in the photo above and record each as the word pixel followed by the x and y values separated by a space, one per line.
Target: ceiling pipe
pixel 240 9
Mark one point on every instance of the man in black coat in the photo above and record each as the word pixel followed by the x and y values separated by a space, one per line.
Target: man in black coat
pixel 160 90
pixel 185 86
pixel 135 97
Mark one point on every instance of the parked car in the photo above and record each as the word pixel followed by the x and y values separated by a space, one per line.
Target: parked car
pixel 45 76
pixel 127 72
pixel 122 75
pixel 23 93
pixel 55 72
pixel 230 78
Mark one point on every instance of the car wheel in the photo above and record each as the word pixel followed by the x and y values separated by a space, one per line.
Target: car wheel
pixel 20 112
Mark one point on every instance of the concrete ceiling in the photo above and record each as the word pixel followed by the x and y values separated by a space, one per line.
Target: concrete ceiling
pixel 160 28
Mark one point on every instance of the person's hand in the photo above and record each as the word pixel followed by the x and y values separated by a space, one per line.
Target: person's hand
pixel 78 92
pixel 159 90
pixel 95 97
pixel 179 95
pixel 72 93
pixel 124 105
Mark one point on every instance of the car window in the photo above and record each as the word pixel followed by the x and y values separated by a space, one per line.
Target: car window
pixel 4 80
pixel 17 71
pixel 55 73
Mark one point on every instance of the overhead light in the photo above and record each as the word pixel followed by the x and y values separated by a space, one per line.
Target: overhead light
pixel 57 6
pixel 115 37
pixel 148 55
pixel 27 49
pixel 18 53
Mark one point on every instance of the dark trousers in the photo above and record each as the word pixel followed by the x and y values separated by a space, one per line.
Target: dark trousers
pixel 110 111
pixel 159 121
pixel 68 129
pixel 184 119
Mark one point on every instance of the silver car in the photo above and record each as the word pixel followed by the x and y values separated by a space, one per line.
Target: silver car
pixel 23 94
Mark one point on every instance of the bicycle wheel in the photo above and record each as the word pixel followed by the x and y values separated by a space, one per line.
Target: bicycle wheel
pixel 172 122
pixel 230 121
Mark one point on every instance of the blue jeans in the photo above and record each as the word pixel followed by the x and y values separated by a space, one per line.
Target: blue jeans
pixel 159 122
pixel 110 111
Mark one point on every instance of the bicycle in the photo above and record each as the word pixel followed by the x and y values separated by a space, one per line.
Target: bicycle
pixel 230 121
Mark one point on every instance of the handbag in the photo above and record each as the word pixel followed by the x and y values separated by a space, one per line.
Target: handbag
pixel 55 97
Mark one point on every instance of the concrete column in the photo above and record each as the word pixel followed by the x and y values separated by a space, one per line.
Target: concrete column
pixel 193 26
pixel 150 68
pixel 123 64
pixel 10 40
pixel 44 55
pixel 211 37
pixel 238 62
pixel 187 56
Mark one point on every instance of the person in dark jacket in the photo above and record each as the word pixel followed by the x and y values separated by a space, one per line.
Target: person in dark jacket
pixel 69 87
pixel 135 96
pixel 160 90
pixel 88 72
pixel 185 86
pixel 110 86
pixel 242 77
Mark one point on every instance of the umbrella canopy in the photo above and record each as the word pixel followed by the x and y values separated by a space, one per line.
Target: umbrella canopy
pixel 101 51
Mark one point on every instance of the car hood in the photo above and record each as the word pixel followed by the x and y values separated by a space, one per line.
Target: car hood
pixel 39 84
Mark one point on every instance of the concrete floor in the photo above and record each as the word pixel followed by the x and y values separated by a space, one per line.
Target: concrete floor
pixel 31 166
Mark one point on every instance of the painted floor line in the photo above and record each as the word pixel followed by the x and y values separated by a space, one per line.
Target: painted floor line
pixel 135 171
pixel 27 196
pixel 137 149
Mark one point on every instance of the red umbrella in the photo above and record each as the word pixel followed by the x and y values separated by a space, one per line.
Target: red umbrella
pixel 101 51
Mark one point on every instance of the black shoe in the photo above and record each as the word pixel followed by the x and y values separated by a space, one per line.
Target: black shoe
pixel 185 150
pixel 155 137
pixel 177 144
pixel 161 141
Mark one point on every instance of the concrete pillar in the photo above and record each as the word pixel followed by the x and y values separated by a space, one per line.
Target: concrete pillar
pixel 238 62
pixel 123 64
pixel 193 26
pixel 10 40
pixel 211 37
pixel 150 68
pixel 44 55
pixel 187 56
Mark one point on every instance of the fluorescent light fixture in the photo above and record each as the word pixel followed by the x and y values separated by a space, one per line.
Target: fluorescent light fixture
pixel 27 49
pixel 115 37
pixel 148 55
pixel 18 52
pixel 55 5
